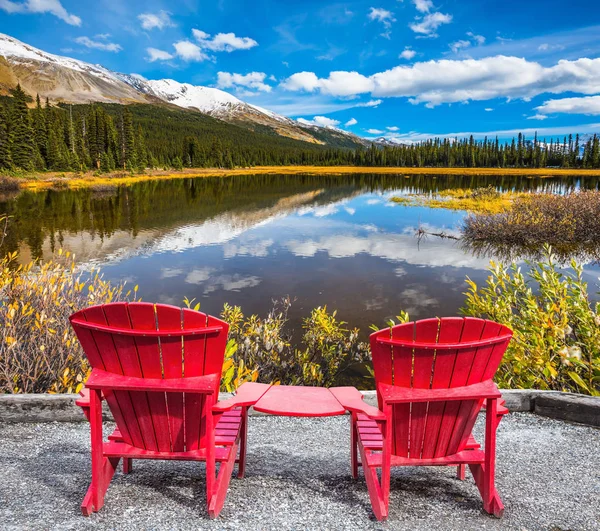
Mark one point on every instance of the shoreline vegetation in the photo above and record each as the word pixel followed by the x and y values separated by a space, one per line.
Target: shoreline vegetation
pixel 556 344
pixel 79 180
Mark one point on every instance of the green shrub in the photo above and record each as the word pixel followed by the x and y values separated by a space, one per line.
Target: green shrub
pixel 39 352
pixel 264 347
pixel 556 342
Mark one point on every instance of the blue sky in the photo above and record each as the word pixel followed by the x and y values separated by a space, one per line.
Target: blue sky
pixel 401 68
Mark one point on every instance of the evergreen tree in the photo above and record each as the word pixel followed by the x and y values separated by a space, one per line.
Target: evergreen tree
pixel 20 131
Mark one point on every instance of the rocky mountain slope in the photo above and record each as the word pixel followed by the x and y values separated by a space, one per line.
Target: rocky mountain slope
pixel 63 79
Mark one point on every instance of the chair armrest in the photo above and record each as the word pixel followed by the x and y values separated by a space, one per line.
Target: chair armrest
pixel 246 394
pixel 352 400
pixel 397 395
pixel 100 379
pixel 84 398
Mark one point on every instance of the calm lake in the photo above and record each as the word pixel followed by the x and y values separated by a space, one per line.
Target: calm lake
pixel 323 240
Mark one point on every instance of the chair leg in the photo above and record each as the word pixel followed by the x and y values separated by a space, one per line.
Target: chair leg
pixel 243 443
pixel 461 472
pixel 103 469
pixel 353 446
pixel 373 486
pixel 222 482
pixel 484 474
pixel 127 465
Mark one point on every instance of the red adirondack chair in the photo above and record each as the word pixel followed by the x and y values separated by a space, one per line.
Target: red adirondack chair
pixel 158 367
pixel 432 378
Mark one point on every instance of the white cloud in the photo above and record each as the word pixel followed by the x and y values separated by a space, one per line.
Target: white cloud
pixel 375 131
pixel 223 42
pixel 320 121
pixel 448 81
pixel 98 45
pixel 160 20
pixel 537 117
pixel 393 128
pixel 423 6
pixel 54 7
pixel 488 109
pixel 588 105
pixel 371 103
pixel 385 17
pixel 459 45
pixel 407 54
pixel 382 15
pixel 188 51
pixel 352 121
pixel 429 24
pixel 253 80
pixel 479 39
pixel 548 132
pixel 155 54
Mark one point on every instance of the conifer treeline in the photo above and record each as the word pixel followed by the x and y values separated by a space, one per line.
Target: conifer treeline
pixel 106 137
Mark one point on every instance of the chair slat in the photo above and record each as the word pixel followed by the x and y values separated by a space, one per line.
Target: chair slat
pixel 169 317
pixel 117 315
pixel 450 332
pixel 402 376
pixel 455 412
pixel 426 331
pixel 119 402
pixel 143 317
pixel 193 365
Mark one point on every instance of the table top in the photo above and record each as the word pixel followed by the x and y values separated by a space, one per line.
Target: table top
pixel 299 401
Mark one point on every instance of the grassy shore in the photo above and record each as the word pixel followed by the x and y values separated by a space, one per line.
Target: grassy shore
pixel 41 181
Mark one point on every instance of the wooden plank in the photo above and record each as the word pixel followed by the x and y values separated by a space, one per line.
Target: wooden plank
pixel 117 316
pixel 169 317
pixel 472 331
pixel 119 449
pixel 425 331
pixel 246 394
pixel 193 365
pixel 299 401
pixel 143 317
pixel 351 399
pixel 450 332
pixel 119 402
pixel 402 366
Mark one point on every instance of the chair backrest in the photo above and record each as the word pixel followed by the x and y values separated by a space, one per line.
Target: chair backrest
pixel 166 422
pixel 436 354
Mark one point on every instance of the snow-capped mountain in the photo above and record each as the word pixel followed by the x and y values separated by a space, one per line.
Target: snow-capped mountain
pixel 69 80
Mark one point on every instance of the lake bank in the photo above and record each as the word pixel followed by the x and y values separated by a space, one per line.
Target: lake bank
pixel 43 181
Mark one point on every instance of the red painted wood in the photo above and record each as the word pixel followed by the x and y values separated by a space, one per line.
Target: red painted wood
pixel 148 361
pixel 193 365
pixel 169 318
pixel 352 400
pixel 117 315
pixel 433 376
pixel 120 449
pixel 121 331
pixel 105 380
pixel 143 317
pixel 120 403
pixel 246 394
pixel 298 401
pixel 393 395
pixel 426 331
pixel 472 332
pixel 450 333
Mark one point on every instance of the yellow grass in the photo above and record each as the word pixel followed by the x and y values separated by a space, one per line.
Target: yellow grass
pixel 42 181
pixel 461 199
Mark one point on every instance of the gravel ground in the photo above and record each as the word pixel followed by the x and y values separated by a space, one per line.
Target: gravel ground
pixel 298 477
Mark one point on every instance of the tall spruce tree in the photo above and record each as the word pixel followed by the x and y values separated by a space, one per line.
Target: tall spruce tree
pixel 20 131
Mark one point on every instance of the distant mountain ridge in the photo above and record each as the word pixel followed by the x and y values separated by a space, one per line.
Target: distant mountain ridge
pixel 68 80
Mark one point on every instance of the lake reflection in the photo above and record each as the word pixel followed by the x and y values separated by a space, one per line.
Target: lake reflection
pixel 323 240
